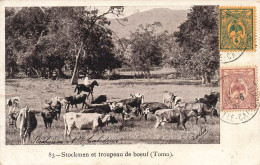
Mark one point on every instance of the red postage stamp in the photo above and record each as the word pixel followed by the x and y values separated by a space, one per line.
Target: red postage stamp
pixel 239 89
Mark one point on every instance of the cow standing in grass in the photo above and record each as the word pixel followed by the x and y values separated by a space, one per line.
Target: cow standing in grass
pixel 74 100
pixel 85 121
pixel 210 102
pixel 55 106
pixel 27 123
pixel 13 109
pixel 173 116
pixel 48 115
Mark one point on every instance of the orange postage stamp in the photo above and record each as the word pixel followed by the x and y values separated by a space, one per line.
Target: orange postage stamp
pixel 237 28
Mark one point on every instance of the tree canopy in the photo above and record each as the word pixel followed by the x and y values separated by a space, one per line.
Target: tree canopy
pixel 40 39
pixel 198 39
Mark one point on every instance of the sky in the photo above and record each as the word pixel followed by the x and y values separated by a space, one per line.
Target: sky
pixel 129 10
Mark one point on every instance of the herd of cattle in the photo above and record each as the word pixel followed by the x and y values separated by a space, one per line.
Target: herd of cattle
pixel 98 112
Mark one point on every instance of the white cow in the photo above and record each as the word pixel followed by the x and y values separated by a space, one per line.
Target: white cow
pixel 86 120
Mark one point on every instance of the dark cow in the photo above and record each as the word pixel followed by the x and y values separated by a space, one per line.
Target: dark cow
pixel 97 108
pixel 200 109
pixel 89 88
pixel 55 105
pixel 27 123
pixel 151 107
pixel 100 99
pixel 86 120
pixel 48 115
pixel 211 101
pixel 74 100
pixel 127 106
pixel 133 102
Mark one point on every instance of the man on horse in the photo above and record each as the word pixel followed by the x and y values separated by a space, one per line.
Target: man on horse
pixel 82 87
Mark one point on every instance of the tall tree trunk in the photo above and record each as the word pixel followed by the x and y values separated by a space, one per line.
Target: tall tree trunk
pixel 206 79
pixel 75 76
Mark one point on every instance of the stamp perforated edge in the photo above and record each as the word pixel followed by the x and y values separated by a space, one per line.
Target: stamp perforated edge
pixel 256 82
pixel 254 28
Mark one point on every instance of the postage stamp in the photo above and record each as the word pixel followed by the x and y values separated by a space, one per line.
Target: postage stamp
pixel 239 90
pixel 237 28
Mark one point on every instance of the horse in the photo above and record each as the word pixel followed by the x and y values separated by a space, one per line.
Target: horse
pixel 89 88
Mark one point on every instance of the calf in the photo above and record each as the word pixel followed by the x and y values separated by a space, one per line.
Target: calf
pixel 74 100
pixel 13 109
pixel 86 120
pixel 27 123
pixel 100 99
pixel 151 107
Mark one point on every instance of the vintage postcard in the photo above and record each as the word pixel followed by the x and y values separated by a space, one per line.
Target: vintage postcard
pixel 129 82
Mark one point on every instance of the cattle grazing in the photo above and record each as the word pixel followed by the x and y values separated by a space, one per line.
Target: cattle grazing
pixel 133 102
pixel 211 101
pixel 100 99
pixel 169 116
pixel 48 115
pixel 89 88
pixel 126 106
pixel 151 107
pixel 201 109
pixel 13 109
pixel 74 100
pixel 86 120
pixel 27 123
pixel 173 116
pixel 97 108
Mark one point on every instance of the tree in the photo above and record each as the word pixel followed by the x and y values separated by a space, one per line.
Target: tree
pixel 40 39
pixel 86 22
pixel 198 39
pixel 146 49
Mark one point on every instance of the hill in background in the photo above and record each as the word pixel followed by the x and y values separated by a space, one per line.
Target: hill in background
pixel 170 20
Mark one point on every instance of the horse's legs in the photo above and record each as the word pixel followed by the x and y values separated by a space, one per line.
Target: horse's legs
pixel 92 96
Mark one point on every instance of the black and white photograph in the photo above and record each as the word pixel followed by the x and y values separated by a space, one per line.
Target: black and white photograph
pixel 111 75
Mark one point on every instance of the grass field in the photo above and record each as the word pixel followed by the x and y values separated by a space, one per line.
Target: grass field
pixel 34 93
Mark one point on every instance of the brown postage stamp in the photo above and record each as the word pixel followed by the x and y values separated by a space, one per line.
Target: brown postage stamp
pixel 239 90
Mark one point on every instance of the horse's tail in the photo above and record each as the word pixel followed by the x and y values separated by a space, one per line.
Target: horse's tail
pixel 76 88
